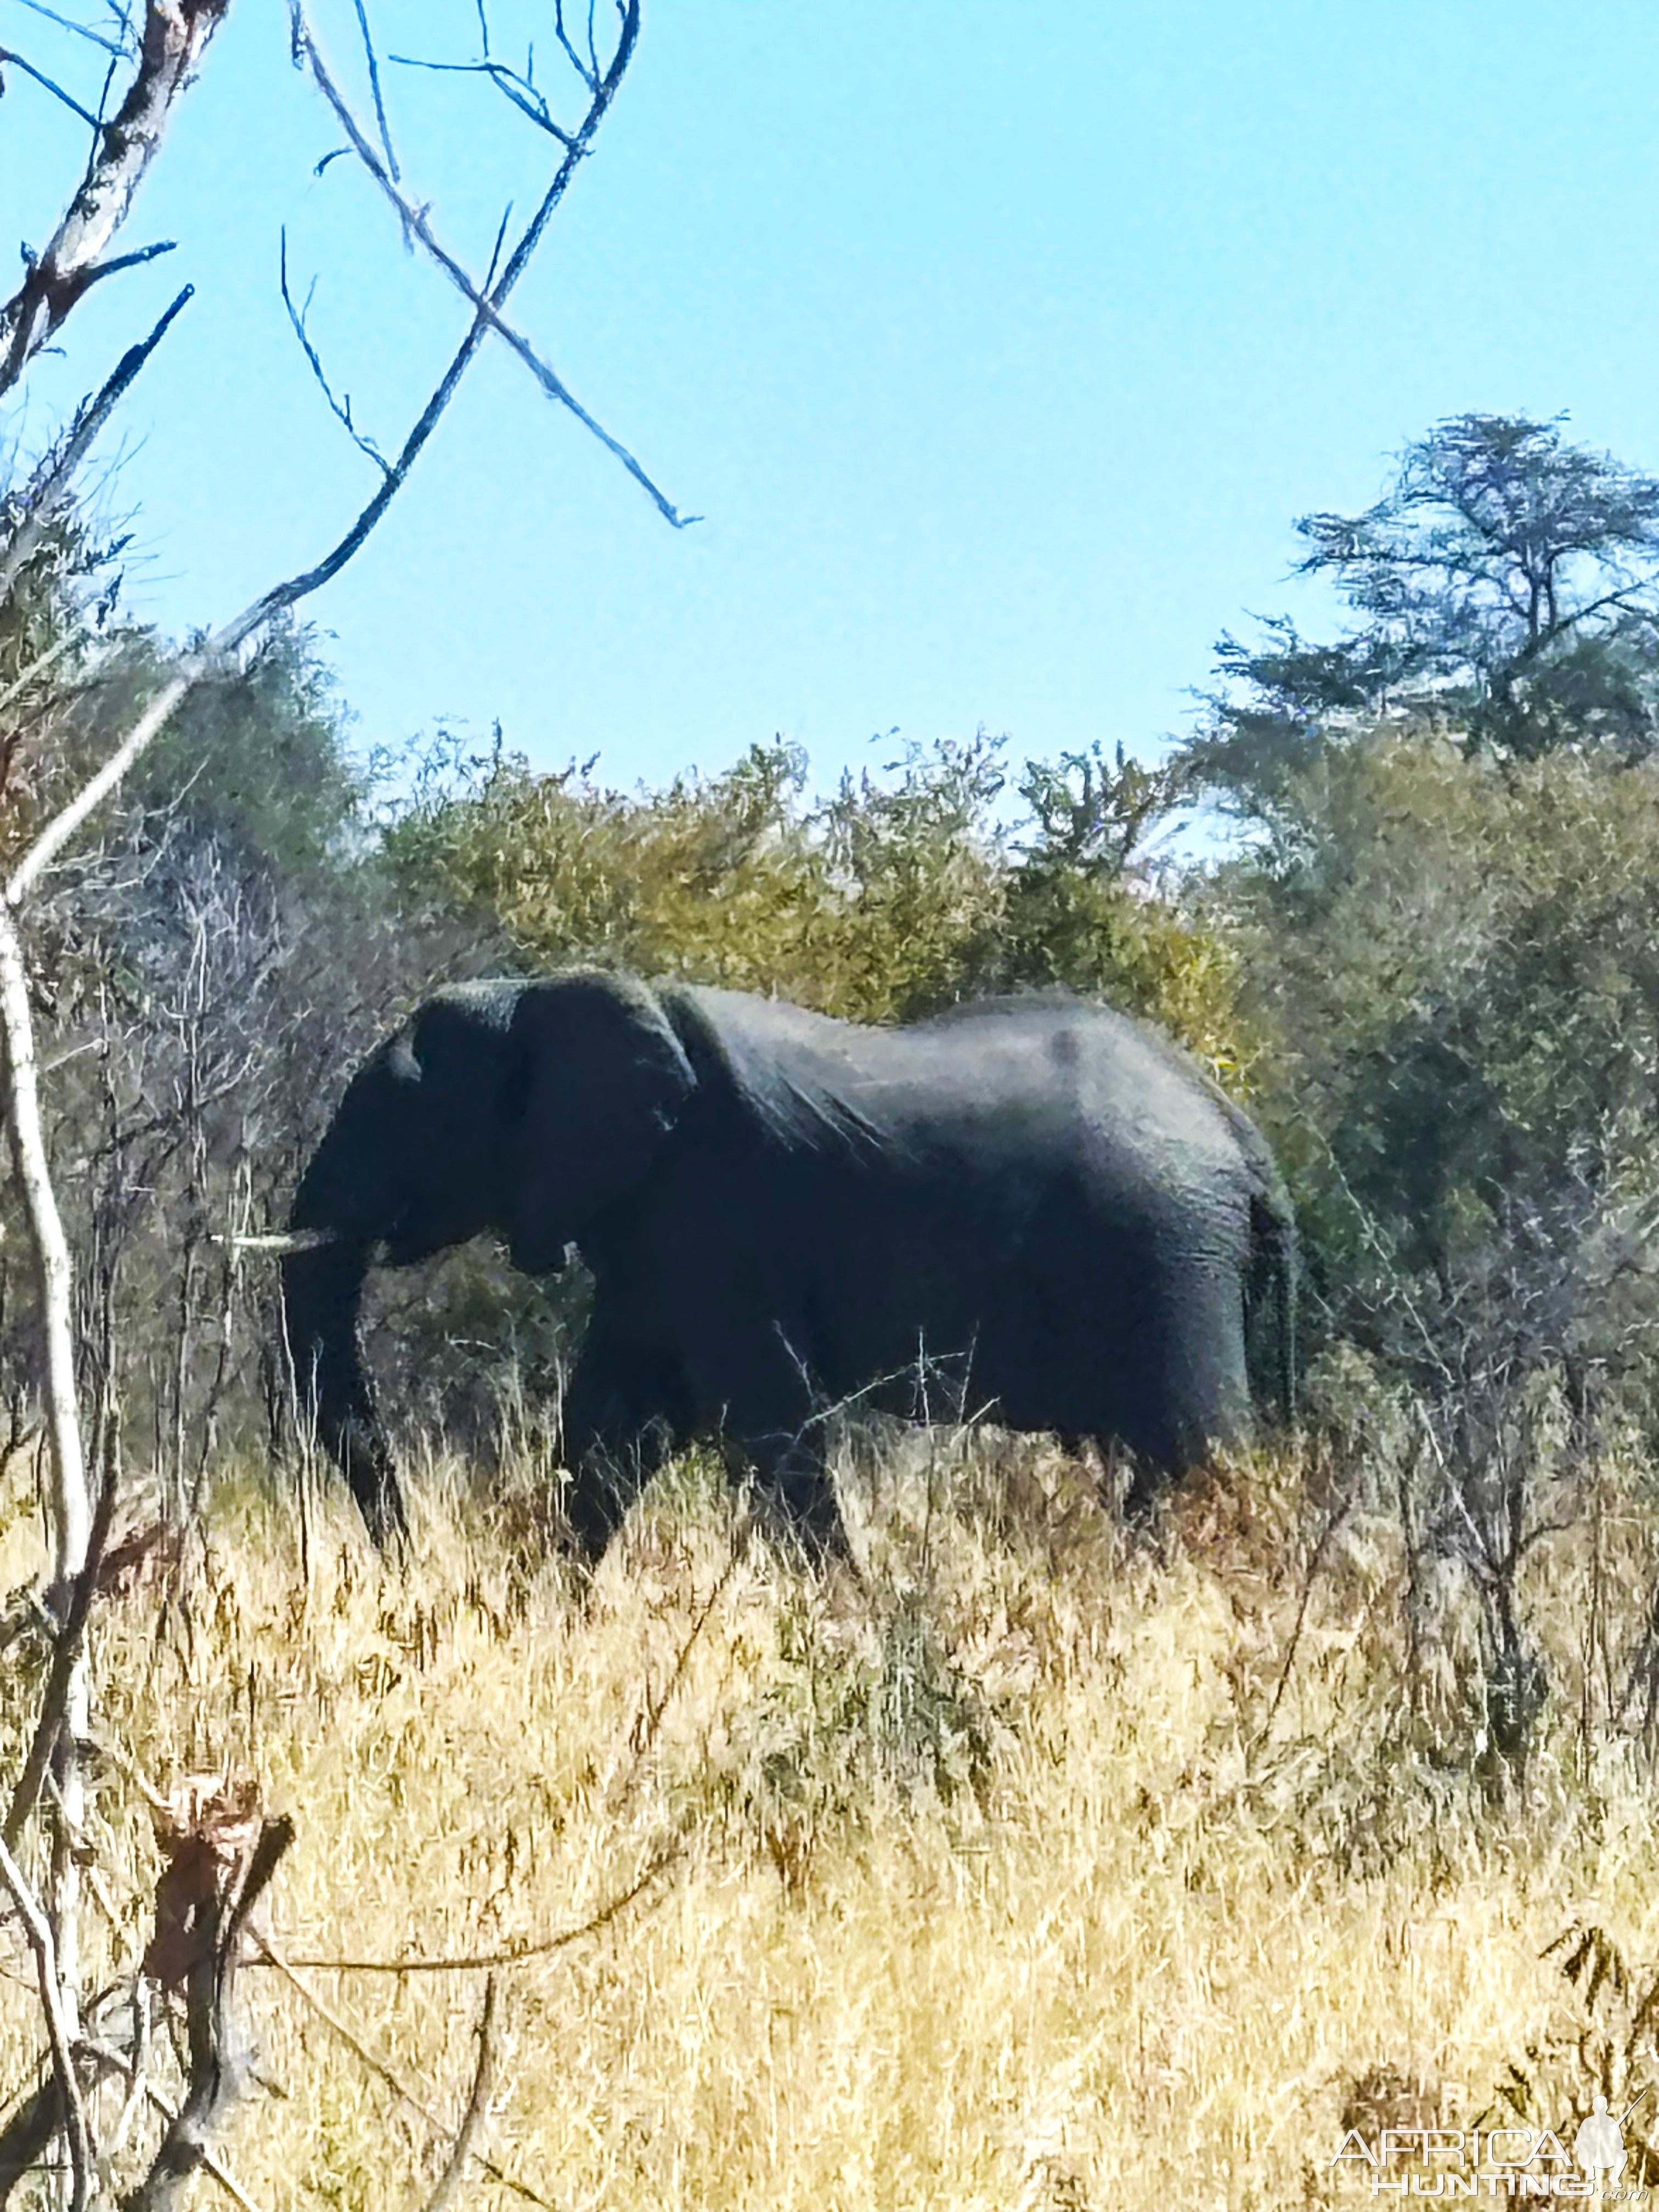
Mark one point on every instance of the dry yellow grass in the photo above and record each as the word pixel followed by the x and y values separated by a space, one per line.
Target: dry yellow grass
pixel 987 1883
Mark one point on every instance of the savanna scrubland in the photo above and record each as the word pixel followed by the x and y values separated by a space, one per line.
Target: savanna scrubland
pixel 1041 1864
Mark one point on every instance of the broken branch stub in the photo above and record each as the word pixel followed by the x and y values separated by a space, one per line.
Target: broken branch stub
pixel 222 1852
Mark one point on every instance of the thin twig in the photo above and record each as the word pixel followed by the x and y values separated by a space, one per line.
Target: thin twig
pixel 486 304
pixel 1338 1514
pixel 378 2067
pixel 52 86
pixel 68 24
pixel 587 70
pixel 53 484
pixel 374 87
pixel 136 259
pixel 341 409
pixel 67 1651
pixel 655 1710
pixel 105 90
pixel 60 2029
pixel 511 1954
pixel 277 1240
pixel 524 96
pixel 195 667
pixel 142 2004
pixel 455 2166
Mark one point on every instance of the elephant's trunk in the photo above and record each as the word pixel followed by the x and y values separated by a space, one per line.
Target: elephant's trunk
pixel 321 1291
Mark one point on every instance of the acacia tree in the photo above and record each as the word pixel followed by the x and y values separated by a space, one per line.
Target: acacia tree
pixel 1445 907
pixel 1505 586
pixel 147 67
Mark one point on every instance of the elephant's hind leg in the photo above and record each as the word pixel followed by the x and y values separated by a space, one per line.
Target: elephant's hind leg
pixel 753 1378
pixel 793 1476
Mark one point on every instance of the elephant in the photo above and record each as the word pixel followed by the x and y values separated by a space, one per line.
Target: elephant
pixel 781 1211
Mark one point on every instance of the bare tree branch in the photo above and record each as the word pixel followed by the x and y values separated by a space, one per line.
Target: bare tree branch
pixel 27 2137
pixel 65 1653
pixel 174 35
pixel 485 304
pixel 195 667
pixel 53 483
pixel 524 96
pixel 214 653
pixel 50 85
pixel 588 69
pixel 136 259
pixel 176 32
pixel 374 87
pixel 81 31
pixel 400 2088
pixel 105 2054
pixel 280 1241
pixel 40 665
pixel 213 2078
pixel 449 2180
pixel 61 2025
pixel 72 1520
pixel 341 410
pixel 509 1954
pixel 66 825
pixel 71 1514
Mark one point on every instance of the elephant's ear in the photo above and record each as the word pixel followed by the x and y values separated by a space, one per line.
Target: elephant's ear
pixel 596 1079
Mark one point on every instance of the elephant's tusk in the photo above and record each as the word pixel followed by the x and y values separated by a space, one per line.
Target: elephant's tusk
pixel 283 1241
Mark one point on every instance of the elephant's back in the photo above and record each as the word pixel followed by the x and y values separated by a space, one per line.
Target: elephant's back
pixel 1109 1078
pixel 1040 1082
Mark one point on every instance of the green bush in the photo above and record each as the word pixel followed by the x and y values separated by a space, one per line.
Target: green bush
pixel 905 892
pixel 1453 962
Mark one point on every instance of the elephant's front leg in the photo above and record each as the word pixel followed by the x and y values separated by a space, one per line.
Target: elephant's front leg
pixel 625 1411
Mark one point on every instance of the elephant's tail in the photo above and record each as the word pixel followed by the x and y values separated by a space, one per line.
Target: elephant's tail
pixel 1273 1287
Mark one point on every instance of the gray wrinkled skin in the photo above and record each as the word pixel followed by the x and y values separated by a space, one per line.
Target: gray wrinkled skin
pixel 1031 1209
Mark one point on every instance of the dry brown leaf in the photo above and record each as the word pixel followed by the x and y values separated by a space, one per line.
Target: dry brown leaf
pixel 206 1826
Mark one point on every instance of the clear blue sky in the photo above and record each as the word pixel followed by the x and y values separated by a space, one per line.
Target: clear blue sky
pixel 999 345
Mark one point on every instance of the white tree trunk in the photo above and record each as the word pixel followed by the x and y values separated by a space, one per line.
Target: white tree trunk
pixel 71 1511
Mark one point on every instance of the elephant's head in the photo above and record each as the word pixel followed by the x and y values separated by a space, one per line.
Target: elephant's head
pixel 526 1108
